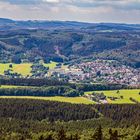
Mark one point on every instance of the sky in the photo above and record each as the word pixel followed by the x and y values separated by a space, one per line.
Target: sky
pixel 116 11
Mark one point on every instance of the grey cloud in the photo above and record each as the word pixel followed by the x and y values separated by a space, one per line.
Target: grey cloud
pixel 118 4
pixel 79 10
pixel 20 2
pixel 28 2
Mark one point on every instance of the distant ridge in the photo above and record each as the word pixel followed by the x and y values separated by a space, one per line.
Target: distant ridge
pixel 35 24
pixel 65 41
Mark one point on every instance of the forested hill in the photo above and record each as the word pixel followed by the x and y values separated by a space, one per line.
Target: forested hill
pixel 11 24
pixel 68 41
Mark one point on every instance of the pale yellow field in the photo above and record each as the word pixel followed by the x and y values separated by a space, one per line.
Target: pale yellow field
pixel 51 65
pixel 12 86
pixel 4 67
pixel 23 69
pixel 73 100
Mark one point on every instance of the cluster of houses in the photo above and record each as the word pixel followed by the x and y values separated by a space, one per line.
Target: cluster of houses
pixel 97 97
pixel 99 71
pixel 100 98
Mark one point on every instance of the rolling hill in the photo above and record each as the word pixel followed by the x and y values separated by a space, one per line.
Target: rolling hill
pixel 68 41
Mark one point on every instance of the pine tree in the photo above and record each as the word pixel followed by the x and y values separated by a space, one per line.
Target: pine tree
pixel 71 137
pixel 98 134
pixel 76 137
pixel 49 137
pixel 61 134
pixel 138 137
pixel 41 137
pixel 113 136
pixel 22 138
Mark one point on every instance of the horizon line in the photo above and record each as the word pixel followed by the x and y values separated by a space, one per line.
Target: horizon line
pixel 86 22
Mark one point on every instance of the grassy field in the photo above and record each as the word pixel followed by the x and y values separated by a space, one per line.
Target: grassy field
pixel 12 86
pixel 73 100
pixel 51 65
pixel 134 93
pixel 125 93
pixel 24 68
pixel 113 93
pixel 76 100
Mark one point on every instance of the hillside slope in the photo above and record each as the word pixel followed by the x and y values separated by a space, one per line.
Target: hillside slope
pixel 63 41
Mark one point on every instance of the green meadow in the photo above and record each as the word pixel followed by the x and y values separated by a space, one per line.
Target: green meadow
pixel 51 65
pixel 73 100
pixel 126 94
pixel 12 86
pixel 24 68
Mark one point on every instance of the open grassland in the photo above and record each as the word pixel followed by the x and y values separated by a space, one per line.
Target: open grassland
pixel 12 86
pixel 51 65
pixel 23 69
pixel 126 94
pixel 3 67
pixel 73 100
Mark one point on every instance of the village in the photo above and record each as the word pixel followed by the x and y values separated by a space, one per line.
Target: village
pixel 97 71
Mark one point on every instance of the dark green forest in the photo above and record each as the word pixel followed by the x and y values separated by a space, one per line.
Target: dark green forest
pixel 51 87
pixel 24 119
pixel 41 91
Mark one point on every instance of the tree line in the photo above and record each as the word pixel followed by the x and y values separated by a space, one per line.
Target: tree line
pixel 28 109
pixel 54 82
pixel 41 91
pixel 39 109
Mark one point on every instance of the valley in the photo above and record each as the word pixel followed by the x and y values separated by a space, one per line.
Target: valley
pixel 66 80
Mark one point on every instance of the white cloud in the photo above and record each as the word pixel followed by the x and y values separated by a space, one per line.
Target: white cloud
pixel 51 1
pixel 78 10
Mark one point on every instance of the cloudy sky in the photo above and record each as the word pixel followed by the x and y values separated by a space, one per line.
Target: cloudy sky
pixel 126 11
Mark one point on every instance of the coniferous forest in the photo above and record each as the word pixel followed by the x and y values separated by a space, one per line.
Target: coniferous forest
pixel 27 119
